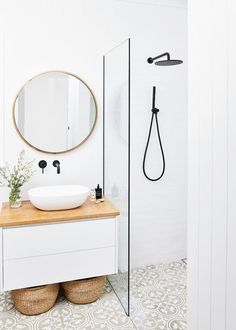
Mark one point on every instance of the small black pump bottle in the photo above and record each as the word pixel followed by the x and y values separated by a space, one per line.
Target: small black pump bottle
pixel 98 192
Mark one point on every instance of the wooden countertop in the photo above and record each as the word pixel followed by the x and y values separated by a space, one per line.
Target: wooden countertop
pixel 27 214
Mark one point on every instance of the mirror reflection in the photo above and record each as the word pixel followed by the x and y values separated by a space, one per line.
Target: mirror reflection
pixel 55 112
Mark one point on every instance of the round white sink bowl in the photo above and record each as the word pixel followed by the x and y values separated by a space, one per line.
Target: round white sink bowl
pixel 63 197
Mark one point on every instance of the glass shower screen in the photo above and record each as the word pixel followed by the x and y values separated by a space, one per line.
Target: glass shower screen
pixel 116 102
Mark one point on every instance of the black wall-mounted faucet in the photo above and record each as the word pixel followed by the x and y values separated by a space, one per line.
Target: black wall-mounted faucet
pixel 42 164
pixel 56 164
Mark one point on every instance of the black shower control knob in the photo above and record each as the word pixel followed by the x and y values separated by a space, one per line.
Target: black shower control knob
pixel 42 164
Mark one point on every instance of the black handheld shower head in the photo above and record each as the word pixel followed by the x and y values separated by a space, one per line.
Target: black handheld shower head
pixel 166 62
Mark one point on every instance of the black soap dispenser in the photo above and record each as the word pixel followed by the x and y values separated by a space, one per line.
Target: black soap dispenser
pixel 98 192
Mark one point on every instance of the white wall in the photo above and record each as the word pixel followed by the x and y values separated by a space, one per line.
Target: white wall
pixel 72 35
pixel 48 35
pixel 158 217
pixel 212 164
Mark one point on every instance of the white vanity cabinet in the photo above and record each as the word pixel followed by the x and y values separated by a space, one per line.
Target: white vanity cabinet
pixel 58 250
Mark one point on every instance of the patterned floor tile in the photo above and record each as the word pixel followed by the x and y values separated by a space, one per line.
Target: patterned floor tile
pixel 13 320
pixel 158 302
pixel 106 314
pixel 159 297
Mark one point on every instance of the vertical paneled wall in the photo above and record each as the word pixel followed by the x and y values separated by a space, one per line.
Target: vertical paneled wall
pixel 2 144
pixel 1 94
pixel 231 230
pixel 212 164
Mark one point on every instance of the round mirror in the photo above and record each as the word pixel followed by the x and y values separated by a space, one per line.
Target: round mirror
pixel 55 112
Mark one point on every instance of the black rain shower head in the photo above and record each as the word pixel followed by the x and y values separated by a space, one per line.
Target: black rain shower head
pixel 166 62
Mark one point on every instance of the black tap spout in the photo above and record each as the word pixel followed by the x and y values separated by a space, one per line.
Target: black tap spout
pixel 56 164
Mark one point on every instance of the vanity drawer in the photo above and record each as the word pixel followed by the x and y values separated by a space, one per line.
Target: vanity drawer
pixel 56 238
pixel 27 272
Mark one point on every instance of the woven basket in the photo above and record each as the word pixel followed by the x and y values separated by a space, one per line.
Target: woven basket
pixel 36 300
pixel 84 291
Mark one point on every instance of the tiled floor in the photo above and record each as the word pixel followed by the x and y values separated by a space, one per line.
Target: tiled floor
pixel 159 297
pixel 158 302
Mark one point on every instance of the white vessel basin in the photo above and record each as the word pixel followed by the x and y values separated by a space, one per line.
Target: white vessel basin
pixel 61 197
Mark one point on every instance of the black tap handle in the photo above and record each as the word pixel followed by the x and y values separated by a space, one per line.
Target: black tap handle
pixel 42 164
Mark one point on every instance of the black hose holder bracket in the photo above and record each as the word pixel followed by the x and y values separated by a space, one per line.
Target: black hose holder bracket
pixel 155 111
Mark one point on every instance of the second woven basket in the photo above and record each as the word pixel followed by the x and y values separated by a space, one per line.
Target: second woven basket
pixel 84 291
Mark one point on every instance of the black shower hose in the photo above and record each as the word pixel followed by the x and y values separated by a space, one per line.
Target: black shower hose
pixel 154 114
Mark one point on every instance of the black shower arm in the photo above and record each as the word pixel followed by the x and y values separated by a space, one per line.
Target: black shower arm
pixel 152 59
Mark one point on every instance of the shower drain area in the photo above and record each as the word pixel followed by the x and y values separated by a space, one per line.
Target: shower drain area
pixel 158 301
pixel 158 297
